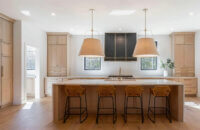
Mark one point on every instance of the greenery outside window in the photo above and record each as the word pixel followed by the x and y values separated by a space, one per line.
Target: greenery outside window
pixel 149 63
pixel 92 63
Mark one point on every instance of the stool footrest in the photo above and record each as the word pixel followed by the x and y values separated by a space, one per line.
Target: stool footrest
pixel 133 107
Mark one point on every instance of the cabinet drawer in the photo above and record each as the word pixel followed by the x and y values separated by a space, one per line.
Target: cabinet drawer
pixel 189 83
pixel 192 90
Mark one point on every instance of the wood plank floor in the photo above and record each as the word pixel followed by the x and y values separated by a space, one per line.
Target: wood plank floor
pixel 37 115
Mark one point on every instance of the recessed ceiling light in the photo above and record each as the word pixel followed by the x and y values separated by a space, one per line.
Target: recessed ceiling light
pixel 26 12
pixel 172 29
pixel 53 14
pixel 191 13
pixel 122 12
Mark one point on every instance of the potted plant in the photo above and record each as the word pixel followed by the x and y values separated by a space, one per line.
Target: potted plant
pixel 168 65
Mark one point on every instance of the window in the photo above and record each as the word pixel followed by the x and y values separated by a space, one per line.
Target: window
pixel 149 63
pixel 92 63
pixel 30 58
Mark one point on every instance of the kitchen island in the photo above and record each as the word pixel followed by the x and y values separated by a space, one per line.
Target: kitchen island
pixel 176 96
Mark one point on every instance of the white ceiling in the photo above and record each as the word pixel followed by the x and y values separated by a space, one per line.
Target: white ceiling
pixel 164 16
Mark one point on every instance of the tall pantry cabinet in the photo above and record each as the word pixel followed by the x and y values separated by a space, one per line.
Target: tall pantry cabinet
pixel 57 54
pixel 6 62
pixel 184 53
pixel 57 45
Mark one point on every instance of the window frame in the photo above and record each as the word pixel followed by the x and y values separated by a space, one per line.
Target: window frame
pixel 91 69
pixel 27 68
pixel 149 69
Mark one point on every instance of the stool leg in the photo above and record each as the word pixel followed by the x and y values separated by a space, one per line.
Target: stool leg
pixel 86 105
pixel 80 110
pixel 142 113
pixel 125 109
pixel 149 107
pixel 154 111
pixel 166 109
pixel 169 112
pixel 97 116
pixel 113 110
pixel 66 104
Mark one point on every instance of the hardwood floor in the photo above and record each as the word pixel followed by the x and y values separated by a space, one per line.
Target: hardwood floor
pixel 37 115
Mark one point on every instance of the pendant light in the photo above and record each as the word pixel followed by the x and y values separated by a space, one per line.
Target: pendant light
pixel 145 47
pixel 91 47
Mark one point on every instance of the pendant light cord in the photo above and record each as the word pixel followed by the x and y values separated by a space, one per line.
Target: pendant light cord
pixel 145 23
pixel 92 15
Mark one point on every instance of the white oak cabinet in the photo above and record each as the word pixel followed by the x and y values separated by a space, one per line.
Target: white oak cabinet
pixel 184 53
pixel 56 54
pixel 6 62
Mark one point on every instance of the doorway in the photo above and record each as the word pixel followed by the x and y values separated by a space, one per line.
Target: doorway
pixel 32 82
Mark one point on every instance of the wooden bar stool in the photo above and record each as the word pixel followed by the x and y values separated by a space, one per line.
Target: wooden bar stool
pixel 133 92
pixel 75 91
pixel 160 92
pixel 107 91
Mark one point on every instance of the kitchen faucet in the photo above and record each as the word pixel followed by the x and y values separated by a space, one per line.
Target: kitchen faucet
pixel 120 71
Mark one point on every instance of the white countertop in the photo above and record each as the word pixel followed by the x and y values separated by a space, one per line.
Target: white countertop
pixel 102 77
pixel 117 82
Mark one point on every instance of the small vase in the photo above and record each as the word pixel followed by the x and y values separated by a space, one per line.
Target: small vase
pixel 165 73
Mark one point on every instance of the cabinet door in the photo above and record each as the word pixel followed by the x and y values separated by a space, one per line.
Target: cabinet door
pixel 61 39
pixel 179 55
pixel 51 39
pixel 7 49
pixel 52 59
pixel 190 85
pixel 189 39
pixel 7 31
pixel 189 59
pixel 179 39
pixel 1 29
pixel 61 54
pixel 6 80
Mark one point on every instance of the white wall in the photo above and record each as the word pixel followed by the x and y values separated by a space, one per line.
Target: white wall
pixel 107 67
pixel 197 59
pixel 18 65
pixel 35 37
pixel 26 33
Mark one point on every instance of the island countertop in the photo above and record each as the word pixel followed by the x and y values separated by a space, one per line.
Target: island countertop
pixel 118 82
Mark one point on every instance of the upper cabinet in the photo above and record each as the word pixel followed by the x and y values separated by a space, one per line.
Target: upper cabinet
pixel 183 53
pixel 57 54
pixel 7 28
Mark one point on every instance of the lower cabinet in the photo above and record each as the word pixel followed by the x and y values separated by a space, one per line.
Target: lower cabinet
pixel 190 84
